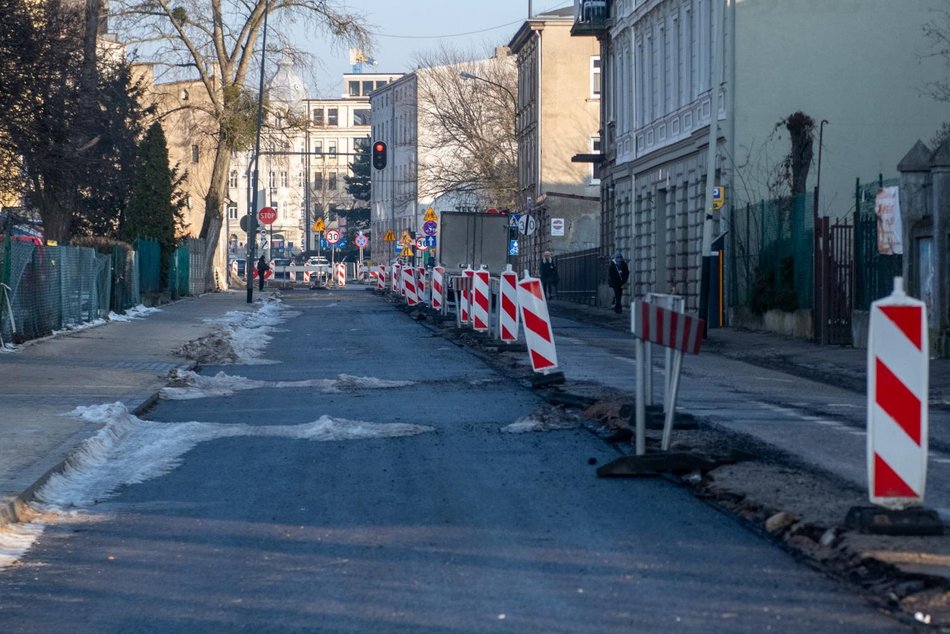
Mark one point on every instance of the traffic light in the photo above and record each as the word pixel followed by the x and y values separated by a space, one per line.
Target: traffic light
pixel 379 155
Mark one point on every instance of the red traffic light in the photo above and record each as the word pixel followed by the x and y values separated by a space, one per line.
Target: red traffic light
pixel 379 155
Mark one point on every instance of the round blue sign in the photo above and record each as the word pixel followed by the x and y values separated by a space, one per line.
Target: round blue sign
pixel 430 227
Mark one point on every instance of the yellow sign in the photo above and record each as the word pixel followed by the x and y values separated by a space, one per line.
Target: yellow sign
pixel 318 225
pixel 430 215
pixel 390 236
pixel 405 238
pixel 406 251
pixel 719 196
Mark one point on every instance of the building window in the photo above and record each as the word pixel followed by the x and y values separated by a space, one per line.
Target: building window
pixel 331 147
pixel 272 180
pixel 367 87
pixel 380 84
pixel 332 117
pixel 232 211
pixel 318 147
pixel 318 116
pixel 595 77
pixel 331 181
pixel 299 179
pixel 360 142
pixel 318 181
pixel 232 179
pixel 283 179
pixel 354 89
pixel 194 153
pixel 362 116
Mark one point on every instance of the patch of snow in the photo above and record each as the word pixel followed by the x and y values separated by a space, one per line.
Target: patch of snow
pixel 545 419
pixel 136 312
pixel 129 450
pixel 190 385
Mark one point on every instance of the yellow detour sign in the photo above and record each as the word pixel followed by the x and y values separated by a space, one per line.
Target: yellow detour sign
pixel 430 215
pixel 406 250
pixel 318 225
pixel 718 196
pixel 405 238
pixel 390 236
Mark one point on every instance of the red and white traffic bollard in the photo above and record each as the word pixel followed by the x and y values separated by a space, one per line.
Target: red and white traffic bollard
pixel 409 285
pixel 508 306
pixel 381 278
pixel 481 299
pixel 341 274
pixel 396 285
pixel 438 288
pixel 537 325
pixel 898 366
pixel 465 313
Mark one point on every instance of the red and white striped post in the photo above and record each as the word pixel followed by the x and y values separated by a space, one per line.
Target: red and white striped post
pixel 396 278
pixel 438 288
pixel 481 300
pixel 465 313
pixel 341 274
pixel 898 368
pixel 381 278
pixel 508 306
pixel 538 334
pixel 409 285
pixel 671 329
pixel 421 286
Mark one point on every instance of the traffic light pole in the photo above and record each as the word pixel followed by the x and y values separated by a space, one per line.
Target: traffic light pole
pixel 252 212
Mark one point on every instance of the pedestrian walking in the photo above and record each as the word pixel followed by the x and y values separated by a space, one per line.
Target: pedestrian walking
pixel 617 276
pixel 549 276
pixel 262 268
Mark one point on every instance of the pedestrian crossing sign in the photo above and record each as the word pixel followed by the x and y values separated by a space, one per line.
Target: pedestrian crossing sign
pixel 405 238
pixel 406 251
pixel 430 215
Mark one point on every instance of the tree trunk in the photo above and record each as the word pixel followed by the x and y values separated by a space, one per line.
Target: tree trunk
pixel 214 217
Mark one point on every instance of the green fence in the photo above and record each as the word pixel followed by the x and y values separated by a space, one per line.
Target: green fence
pixel 772 259
pixel 150 265
pixel 874 273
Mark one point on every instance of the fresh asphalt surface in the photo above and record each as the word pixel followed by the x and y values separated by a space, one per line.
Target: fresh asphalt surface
pixel 464 529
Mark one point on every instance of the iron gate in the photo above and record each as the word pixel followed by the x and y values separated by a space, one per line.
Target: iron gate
pixel 835 281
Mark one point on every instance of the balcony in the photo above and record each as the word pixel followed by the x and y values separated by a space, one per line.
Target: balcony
pixel 591 17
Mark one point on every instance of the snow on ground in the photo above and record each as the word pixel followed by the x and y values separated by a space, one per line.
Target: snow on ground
pixel 130 450
pixel 544 419
pixel 186 384
pixel 240 336
pixel 136 312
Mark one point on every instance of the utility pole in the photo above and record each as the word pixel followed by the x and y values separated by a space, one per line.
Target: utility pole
pixel 252 212
pixel 715 71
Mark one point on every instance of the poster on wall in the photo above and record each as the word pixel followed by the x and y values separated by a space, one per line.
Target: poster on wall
pixel 890 230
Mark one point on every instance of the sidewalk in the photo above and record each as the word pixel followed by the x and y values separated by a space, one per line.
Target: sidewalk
pixel 125 361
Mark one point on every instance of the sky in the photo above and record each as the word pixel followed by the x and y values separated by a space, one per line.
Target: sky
pixel 403 29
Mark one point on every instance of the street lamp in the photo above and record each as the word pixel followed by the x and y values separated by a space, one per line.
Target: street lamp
pixel 465 75
pixel 252 224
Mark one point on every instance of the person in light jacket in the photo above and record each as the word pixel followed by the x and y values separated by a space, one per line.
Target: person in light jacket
pixel 617 275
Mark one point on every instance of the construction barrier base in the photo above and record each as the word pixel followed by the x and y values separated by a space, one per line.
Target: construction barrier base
pixel 876 520
pixel 547 380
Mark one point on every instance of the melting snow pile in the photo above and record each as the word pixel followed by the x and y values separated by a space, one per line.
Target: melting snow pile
pixel 186 384
pixel 129 450
pixel 241 336
pixel 545 419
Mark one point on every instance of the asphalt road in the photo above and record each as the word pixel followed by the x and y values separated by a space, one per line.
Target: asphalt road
pixel 461 528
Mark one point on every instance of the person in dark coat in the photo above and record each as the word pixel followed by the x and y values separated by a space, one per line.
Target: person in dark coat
pixel 617 275
pixel 262 268
pixel 549 276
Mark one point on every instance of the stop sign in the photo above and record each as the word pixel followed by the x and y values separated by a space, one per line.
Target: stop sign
pixel 267 215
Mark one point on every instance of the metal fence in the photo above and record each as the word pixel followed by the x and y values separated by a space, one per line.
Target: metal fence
pixel 150 265
pixel 772 264
pixel 579 275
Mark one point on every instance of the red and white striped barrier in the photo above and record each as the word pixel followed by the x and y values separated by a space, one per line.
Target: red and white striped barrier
pixel 465 313
pixel 508 306
pixel 409 285
pixel 481 300
pixel 396 285
pixel 898 367
pixel 293 272
pixel 537 325
pixel 306 276
pixel 671 329
pixel 438 288
pixel 381 278
pixel 341 274
pixel 421 286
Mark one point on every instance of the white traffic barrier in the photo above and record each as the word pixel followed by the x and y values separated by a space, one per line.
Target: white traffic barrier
pixel 898 367
pixel 508 306
pixel 675 303
pixel 538 334
pixel 438 288
pixel 341 274
pixel 409 285
pixel 481 300
pixel 396 279
pixel 670 329
pixel 465 313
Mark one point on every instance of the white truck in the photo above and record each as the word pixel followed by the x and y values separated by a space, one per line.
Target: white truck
pixel 473 238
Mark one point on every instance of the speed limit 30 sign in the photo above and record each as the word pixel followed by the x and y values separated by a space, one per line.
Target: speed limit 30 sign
pixel 332 236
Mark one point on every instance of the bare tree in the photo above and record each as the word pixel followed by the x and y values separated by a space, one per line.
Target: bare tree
pixel 216 40
pixel 467 136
